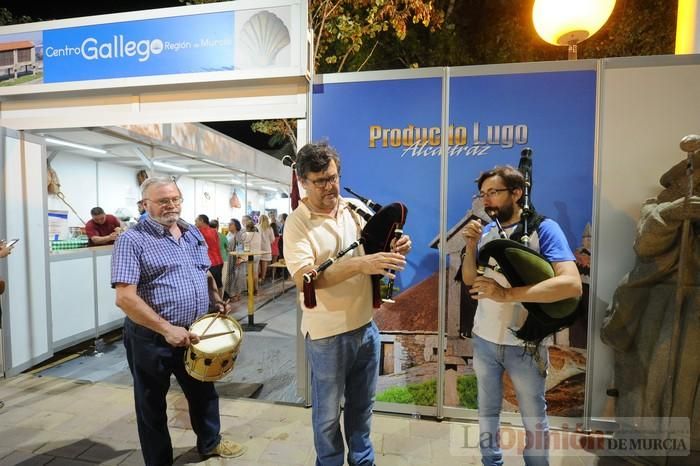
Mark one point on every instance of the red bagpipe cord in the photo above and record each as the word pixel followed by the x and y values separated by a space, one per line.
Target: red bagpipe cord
pixel 294 195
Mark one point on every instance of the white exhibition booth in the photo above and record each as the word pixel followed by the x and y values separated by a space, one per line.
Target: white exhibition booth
pixel 643 107
pixel 187 64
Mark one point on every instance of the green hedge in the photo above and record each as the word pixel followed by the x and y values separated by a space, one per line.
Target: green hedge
pixel 424 394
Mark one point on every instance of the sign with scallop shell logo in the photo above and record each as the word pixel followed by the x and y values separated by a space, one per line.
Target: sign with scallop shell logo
pixel 232 40
pixel 263 39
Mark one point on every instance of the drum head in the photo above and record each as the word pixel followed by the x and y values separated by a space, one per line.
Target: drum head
pixel 212 324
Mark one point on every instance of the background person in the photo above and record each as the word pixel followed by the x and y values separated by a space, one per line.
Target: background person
pixel 281 218
pixel 267 236
pixel 275 249
pixel 103 229
pixel 211 237
pixel 142 210
pixel 235 279
pixel 252 241
pixel 159 271
pixel 223 250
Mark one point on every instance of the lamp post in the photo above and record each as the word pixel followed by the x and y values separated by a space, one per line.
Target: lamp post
pixel 568 22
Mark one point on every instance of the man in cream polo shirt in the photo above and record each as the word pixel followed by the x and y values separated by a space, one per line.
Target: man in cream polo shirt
pixel 342 341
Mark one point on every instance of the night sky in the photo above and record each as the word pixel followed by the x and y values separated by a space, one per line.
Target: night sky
pixel 45 11
pixel 239 130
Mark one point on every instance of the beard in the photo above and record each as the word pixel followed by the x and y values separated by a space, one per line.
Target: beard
pixel 167 219
pixel 502 214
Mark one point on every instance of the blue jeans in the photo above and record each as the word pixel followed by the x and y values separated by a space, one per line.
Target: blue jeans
pixel 152 360
pixel 528 375
pixel 344 365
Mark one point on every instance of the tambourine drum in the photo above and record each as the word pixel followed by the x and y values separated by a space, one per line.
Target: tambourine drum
pixel 522 266
pixel 214 356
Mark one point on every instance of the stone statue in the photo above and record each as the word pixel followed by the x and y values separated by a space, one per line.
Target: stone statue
pixel 653 323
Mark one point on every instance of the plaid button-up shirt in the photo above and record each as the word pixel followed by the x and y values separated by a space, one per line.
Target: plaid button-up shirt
pixel 170 276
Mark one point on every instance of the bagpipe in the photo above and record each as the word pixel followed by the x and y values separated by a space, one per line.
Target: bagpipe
pixel 383 226
pixel 522 266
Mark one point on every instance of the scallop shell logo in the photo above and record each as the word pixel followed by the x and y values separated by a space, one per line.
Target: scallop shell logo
pixel 156 46
pixel 263 36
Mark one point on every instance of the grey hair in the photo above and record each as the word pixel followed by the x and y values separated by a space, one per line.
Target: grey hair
pixel 157 181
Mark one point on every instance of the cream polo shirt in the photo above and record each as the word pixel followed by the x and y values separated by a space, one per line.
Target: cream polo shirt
pixel 310 239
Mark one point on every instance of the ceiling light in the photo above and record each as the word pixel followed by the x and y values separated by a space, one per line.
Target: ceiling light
pixel 235 181
pixel 267 189
pixel 167 166
pixel 75 145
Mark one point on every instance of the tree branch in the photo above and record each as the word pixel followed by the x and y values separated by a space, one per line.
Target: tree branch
pixel 291 134
pixel 345 57
pixel 368 56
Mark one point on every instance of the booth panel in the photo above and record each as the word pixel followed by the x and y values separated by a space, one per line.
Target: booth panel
pixel 36 224
pixel 376 122
pixel 187 188
pixel 108 313
pixel 222 208
pixel 648 104
pixel 117 189
pixel 493 118
pixel 25 315
pixel 205 198
pixel 72 298
pixel 85 110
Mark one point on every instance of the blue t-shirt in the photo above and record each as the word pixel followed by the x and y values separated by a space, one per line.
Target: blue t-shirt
pixel 496 322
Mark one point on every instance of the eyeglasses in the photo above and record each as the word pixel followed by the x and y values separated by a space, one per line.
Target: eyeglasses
pixel 323 182
pixel 490 193
pixel 176 201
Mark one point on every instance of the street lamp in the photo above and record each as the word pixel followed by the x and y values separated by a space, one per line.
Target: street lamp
pixel 568 22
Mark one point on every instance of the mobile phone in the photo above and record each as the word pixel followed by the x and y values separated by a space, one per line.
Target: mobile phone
pixel 12 242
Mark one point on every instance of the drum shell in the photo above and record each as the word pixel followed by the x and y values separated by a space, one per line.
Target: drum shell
pixel 209 365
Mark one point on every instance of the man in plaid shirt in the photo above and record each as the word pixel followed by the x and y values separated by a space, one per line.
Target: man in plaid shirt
pixel 159 271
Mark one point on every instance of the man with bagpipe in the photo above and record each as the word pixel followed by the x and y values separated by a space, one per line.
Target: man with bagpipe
pixel 522 272
pixel 342 341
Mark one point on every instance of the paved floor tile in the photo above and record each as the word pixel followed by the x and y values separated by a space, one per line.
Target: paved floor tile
pixel 121 430
pixel 254 449
pixel 14 436
pixel 55 443
pixel 52 421
pixel 389 424
pixel 285 452
pixel 135 458
pixel 410 447
pixel 428 429
pixel 46 420
pixel 104 454
pixel 25 459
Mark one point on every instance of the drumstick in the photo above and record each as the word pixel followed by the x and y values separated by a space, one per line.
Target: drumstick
pixel 218 314
pixel 204 337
